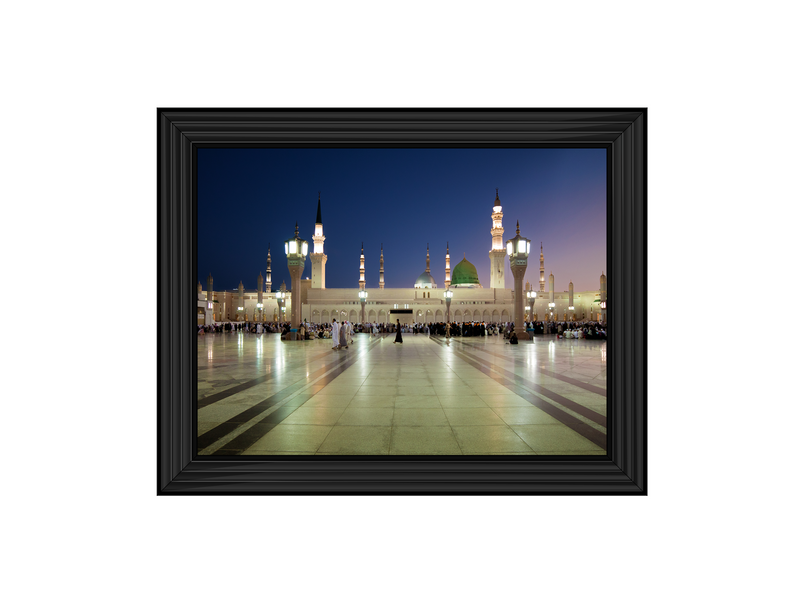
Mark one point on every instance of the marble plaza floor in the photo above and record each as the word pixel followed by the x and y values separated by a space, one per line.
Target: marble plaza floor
pixel 258 395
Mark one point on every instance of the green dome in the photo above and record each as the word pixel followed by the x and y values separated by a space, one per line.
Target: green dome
pixel 464 274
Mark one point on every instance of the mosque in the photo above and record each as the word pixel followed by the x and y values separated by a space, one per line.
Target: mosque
pixel 421 303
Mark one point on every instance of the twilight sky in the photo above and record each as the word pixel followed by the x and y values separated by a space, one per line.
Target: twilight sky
pixel 403 199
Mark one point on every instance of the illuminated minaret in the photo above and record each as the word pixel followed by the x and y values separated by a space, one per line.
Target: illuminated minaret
pixel 447 279
pixel 497 253
pixel 541 269
pixel 268 272
pixel 209 287
pixel 571 293
pixel 552 289
pixel 317 258
pixel 603 295
pixel 240 302
pixel 428 259
pixel 259 295
pixel 382 270
pixel 362 282
pixel 200 288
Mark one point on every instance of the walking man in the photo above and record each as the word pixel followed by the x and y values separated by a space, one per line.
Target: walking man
pixel 335 332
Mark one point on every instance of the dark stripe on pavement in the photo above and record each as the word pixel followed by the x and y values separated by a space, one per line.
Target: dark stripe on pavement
pixel 254 433
pixel 212 398
pixel 587 431
pixel 595 389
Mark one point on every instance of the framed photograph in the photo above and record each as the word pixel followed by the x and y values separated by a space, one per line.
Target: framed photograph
pixel 380 301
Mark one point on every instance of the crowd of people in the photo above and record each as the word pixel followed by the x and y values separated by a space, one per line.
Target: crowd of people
pixel 338 330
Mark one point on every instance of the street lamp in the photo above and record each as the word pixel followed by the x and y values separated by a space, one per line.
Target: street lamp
pixel 448 298
pixel 280 300
pixel 362 295
pixel 296 250
pixel 518 249
pixel 532 301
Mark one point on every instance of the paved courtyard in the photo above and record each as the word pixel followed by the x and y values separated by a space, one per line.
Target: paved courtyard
pixel 258 395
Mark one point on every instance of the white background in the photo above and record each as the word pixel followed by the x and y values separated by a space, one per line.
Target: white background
pixel 81 82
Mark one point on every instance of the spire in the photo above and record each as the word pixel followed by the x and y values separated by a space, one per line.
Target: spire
pixel 447 279
pixel 517 228
pixel 318 215
pixel 541 267
pixel 297 229
pixel 497 199
pixel 382 270
pixel 428 259
pixel 362 280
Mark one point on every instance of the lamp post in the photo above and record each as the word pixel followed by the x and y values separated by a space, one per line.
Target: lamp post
pixel 259 308
pixel 239 310
pixel 296 250
pixel 518 249
pixel 448 298
pixel 280 300
pixel 532 301
pixel 362 295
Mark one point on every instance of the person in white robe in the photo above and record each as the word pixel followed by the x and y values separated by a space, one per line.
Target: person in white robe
pixel 343 337
pixel 335 330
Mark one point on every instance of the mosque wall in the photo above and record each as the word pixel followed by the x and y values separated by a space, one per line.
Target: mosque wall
pixel 481 305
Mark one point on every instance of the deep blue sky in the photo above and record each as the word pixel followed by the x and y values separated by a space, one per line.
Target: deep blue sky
pixel 249 199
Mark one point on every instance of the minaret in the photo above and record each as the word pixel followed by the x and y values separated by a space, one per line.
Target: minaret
pixel 541 268
pixel 428 259
pixel 268 272
pixel 382 270
pixel 362 282
pixel 200 288
pixel 317 258
pixel 447 279
pixel 240 303
pixel 603 295
pixel 552 288
pixel 209 287
pixel 259 288
pixel 571 293
pixel 497 253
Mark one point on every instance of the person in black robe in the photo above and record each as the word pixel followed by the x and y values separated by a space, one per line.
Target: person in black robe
pixel 398 332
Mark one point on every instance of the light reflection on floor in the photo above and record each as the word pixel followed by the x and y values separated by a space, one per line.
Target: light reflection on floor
pixel 475 395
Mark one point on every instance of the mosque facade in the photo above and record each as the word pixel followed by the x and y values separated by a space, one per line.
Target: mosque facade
pixel 422 303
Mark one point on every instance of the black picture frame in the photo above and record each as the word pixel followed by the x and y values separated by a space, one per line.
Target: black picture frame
pixel 623 132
